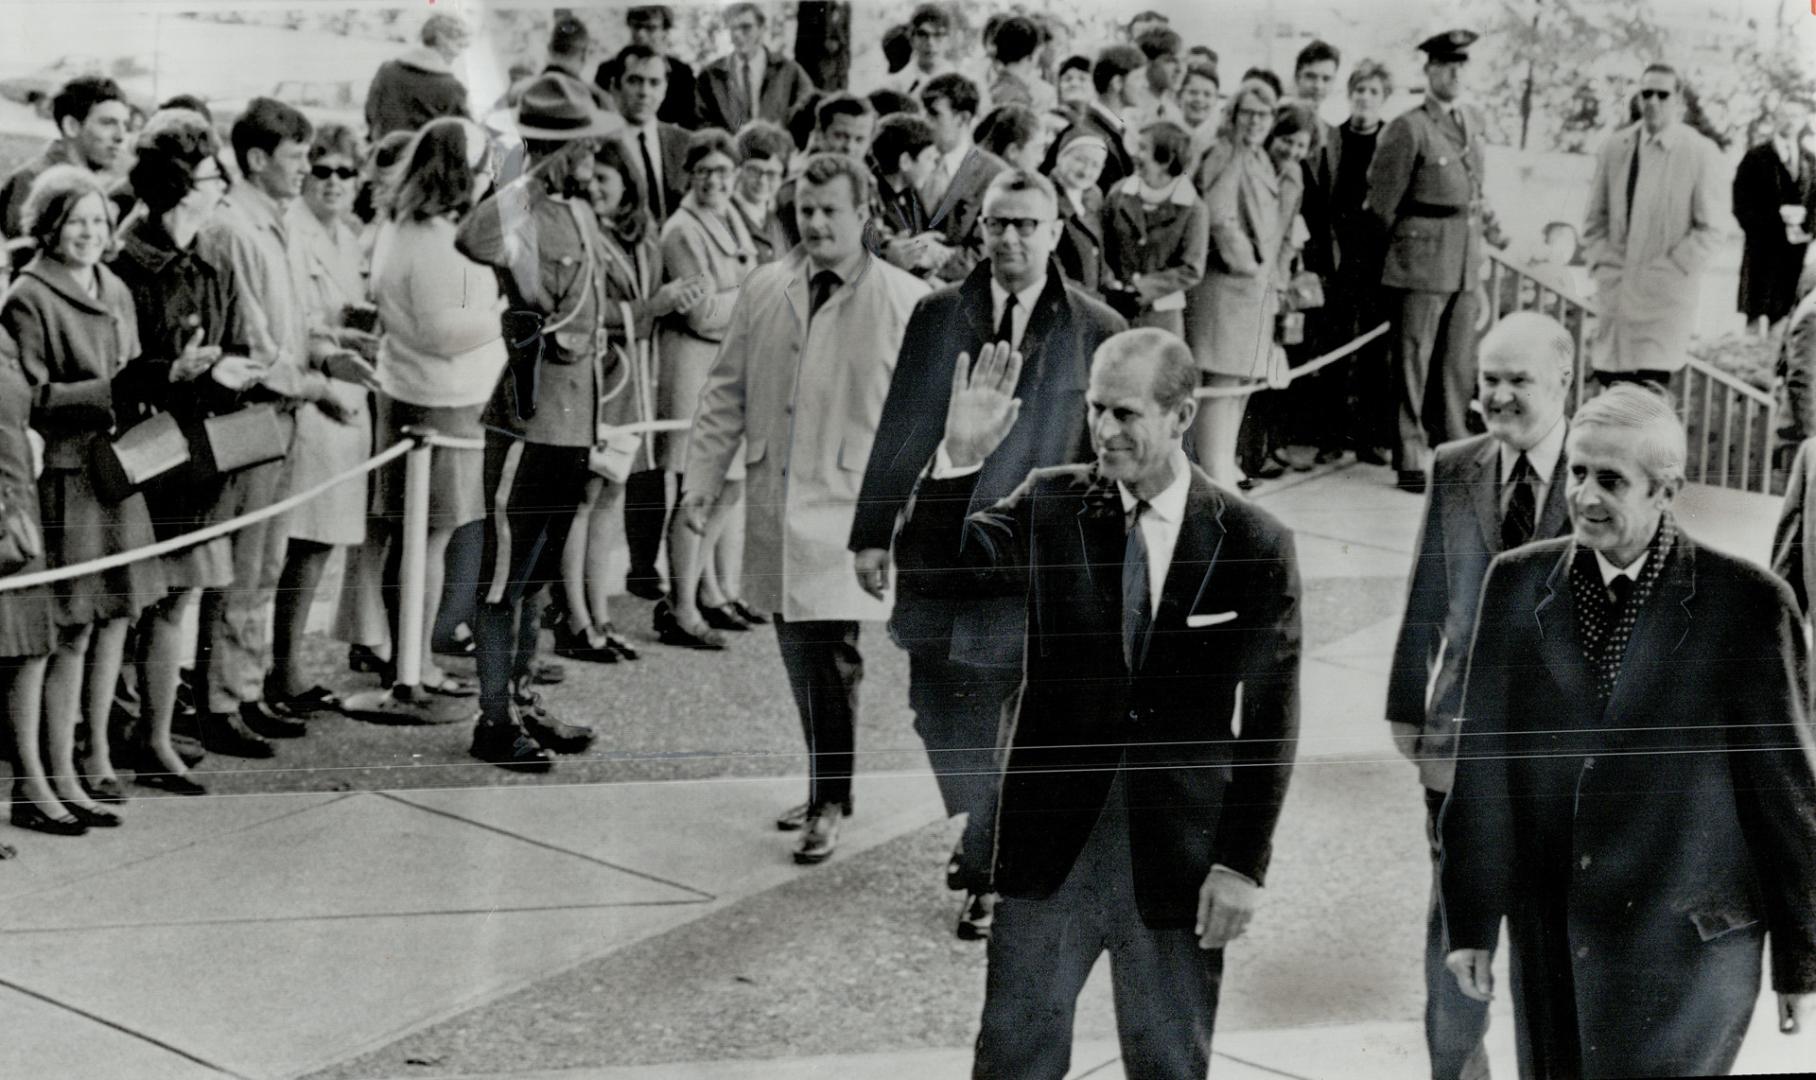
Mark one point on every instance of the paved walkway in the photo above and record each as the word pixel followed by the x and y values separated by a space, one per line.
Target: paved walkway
pixel 269 936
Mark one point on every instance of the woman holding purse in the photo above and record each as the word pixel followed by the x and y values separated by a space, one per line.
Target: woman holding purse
pixel 1230 316
pixel 628 266
pixel 28 617
pixel 705 236
pixel 1155 232
pixel 76 331
pixel 193 364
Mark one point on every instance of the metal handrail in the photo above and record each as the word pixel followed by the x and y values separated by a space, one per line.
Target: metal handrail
pixel 1757 408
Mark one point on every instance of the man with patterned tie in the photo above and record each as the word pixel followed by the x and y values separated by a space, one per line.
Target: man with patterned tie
pixel 1138 798
pixel 965 651
pixel 750 82
pixel 1425 192
pixel 1491 493
pixel 798 389
pixel 1635 787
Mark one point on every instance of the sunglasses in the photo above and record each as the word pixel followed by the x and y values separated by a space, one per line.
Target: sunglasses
pixel 323 172
pixel 1655 95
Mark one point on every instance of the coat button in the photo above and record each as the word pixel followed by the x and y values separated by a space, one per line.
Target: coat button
pixel 1583 863
pixel 1134 714
pixel 1589 763
pixel 1582 953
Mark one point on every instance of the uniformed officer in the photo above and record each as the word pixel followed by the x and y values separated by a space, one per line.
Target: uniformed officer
pixel 1425 188
pixel 539 231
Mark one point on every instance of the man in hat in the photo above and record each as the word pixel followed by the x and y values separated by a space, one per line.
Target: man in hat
pixel 541 232
pixel 1425 190
pixel 419 86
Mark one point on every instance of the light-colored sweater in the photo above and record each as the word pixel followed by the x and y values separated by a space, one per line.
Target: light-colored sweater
pixel 442 345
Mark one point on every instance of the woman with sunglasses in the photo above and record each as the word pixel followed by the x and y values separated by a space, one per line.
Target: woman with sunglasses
pixel 333 288
pixel 629 266
pixel 705 236
pixel 77 333
pixel 194 362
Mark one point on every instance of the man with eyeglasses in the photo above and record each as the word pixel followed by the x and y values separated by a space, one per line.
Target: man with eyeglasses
pixel 1425 191
pixel 1648 235
pixel 929 32
pixel 965 653
pixel 750 82
pixel 764 150
pixel 659 148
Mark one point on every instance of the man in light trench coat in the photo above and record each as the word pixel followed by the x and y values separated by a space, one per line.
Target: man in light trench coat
pixel 800 379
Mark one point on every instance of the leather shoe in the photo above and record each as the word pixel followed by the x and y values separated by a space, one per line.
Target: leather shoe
pixel 794 819
pixel 1412 480
pixel 189 749
pixel 508 746
pixel 548 730
pixel 104 790
pixel 97 818
pixel 979 914
pixel 171 782
pixel 264 719
pixel 724 617
pixel 820 837
pixel 745 613
pixel 28 815
pixel 226 733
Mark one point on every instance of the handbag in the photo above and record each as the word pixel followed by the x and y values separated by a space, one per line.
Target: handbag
pixel 242 439
pixel 142 453
pixel 613 454
pixel 1306 291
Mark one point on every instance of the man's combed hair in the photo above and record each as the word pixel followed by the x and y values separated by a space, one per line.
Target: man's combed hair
pixel 1528 332
pixel 823 169
pixel 1011 181
pixel 1175 372
pixel 764 140
pixel 266 125
pixel 840 104
pixel 960 93
pixel 903 133
pixel 78 97
pixel 1115 61
pixel 1625 407
pixel 1317 53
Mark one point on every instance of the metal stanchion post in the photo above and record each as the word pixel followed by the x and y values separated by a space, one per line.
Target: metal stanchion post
pixel 410 629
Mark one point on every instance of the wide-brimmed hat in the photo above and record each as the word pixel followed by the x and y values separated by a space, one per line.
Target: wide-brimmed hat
pixel 560 108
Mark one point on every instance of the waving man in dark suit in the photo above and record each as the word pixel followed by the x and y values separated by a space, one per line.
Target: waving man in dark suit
pixel 1139 801
pixel 1636 779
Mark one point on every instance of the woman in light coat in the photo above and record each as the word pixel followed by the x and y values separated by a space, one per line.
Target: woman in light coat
pixel 1230 316
pixel 705 235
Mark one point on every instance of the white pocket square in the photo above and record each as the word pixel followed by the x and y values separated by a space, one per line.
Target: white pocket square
pixel 1194 622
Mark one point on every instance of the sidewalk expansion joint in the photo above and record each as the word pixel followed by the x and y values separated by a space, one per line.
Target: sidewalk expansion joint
pixel 702 894
pixel 1260 1067
pixel 254 920
pixel 130 1033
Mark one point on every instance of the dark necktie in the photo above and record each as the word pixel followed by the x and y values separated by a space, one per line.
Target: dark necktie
pixel 1137 608
pixel 750 90
pixel 819 290
pixel 1633 174
pixel 1522 506
pixel 1620 594
pixel 1005 327
pixel 654 186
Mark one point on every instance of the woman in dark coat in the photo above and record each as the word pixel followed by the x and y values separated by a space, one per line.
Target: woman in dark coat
pixel 193 363
pixel 76 330
pixel 1763 183
pixel 1156 232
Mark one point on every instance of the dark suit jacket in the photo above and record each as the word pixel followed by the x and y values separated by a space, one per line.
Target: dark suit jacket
pixel 1080 248
pixel 1461 534
pixel 719 99
pixel 1649 845
pixel 1063 332
pixel 671 142
pixel 1770 264
pixel 956 216
pixel 1228 617
pixel 677 106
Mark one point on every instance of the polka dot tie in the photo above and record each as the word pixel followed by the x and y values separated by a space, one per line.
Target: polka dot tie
pixel 1607 614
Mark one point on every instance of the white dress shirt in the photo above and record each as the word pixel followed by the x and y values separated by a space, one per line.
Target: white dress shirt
pixel 1160 523
pixel 1543 458
pixel 648 140
pixel 756 66
pixel 1611 571
pixel 1788 152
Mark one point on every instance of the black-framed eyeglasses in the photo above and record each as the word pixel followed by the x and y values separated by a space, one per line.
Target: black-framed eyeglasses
pixel 996 226
pixel 341 172
pixel 1655 95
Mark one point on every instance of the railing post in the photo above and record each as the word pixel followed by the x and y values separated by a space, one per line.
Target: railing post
pixel 415 562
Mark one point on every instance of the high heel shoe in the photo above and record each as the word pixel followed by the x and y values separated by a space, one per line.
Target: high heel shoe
pixel 745 613
pixel 107 789
pixel 175 783
pixel 29 815
pixel 578 645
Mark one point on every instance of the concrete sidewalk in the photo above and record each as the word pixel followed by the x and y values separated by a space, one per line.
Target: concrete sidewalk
pixel 269 936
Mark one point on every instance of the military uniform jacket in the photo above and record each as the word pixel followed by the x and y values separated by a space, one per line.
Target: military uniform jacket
pixel 1425 188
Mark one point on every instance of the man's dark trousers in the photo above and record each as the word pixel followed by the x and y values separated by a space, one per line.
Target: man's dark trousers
pixel 824 670
pixel 1454 1022
pixel 958 713
pixel 1042 951
pixel 1433 330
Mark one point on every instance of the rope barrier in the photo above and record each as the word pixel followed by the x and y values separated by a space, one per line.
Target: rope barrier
pixel 1311 367
pixel 203 535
